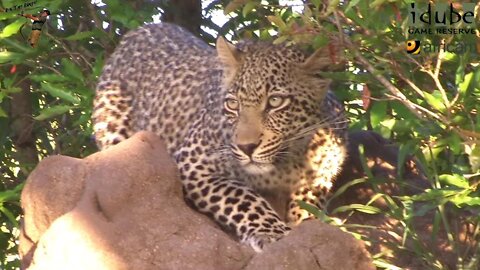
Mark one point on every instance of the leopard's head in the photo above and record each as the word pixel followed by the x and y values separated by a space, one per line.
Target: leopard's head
pixel 273 98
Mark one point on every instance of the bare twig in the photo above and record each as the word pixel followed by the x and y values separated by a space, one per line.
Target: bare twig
pixel 390 87
pixel 468 133
pixel 418 110
pixel 439 85
pixel 39 63
pixel 411 84
pixel 70 53
pixel 441 53
pixel 93 14
pixel 435 76
pixel 395 93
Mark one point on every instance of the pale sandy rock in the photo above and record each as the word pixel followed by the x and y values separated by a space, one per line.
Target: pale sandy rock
pixel 123 209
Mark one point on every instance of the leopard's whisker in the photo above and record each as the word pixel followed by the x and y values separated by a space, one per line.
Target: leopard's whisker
pixel 324 123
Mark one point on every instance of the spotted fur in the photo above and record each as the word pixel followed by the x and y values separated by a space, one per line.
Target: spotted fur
pixel 239 121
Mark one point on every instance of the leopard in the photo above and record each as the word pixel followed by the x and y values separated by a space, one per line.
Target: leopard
pixel 238 119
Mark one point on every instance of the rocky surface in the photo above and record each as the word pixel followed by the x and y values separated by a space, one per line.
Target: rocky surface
pixel 123 209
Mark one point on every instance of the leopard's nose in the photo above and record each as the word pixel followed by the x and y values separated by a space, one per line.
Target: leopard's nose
pixel 248 148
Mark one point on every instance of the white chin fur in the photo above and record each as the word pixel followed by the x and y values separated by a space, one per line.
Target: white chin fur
pixel 258 168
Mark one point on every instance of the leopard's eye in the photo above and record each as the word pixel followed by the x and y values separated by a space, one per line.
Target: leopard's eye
pixel 277 102
pixel 231 104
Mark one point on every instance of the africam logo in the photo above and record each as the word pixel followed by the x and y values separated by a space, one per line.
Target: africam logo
pixel 415 47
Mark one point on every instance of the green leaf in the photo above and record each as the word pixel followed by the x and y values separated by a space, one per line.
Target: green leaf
pixel 21 46
pixel 233 5
pixel 316 3
pixel 347 185
pixel 367 209
pixel 460 73
pixel 454 180
pixel 377 3
pixel 280 40
pixel 9 215
pixel 12 28
pixel 13 90
pixel 278 21
pixel 314 211
pixel 473 152
pixel 3 113
pixel 455 143
pixel 6 56
pixel 121 12
pixel 71 70
pixel 52 112
pixel 435 226
pixel 7 15
pixel 405 150
pixel 265 35
pixel 60 93
pixel 389 123
pixel 11 194
pixel 248 8
pixel 52 78
pixel 459 119
pixel 385 265
pixel 433 194
pixel 51 4
pixel 97 67
pixel 435 101
pixel 332 6
pixel 423 210
pixel 320 41
pixel 470 81
pixel 448 56
pixel 307 12
pixel 351 4
pixel 465 82
pixel 81 35
pixel 472 201
pixel 378 113
pixel 363 161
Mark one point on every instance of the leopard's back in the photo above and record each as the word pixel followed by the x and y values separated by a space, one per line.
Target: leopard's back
pixel 158 79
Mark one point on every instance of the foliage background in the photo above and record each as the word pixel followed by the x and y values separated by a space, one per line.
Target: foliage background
pixel 428 104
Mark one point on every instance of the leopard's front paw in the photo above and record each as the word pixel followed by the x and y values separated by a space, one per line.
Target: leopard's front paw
pixel 262 236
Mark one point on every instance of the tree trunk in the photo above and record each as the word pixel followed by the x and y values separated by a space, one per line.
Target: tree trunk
pixel 186 13
pixel 21 128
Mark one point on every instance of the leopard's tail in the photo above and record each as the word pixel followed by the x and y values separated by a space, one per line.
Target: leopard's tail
pixel 112 108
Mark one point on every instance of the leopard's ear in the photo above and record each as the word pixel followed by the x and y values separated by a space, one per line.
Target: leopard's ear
pixel 229 56
pixel 227 53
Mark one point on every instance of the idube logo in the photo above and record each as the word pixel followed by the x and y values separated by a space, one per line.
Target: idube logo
pixel 429 23
pixel 441 19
